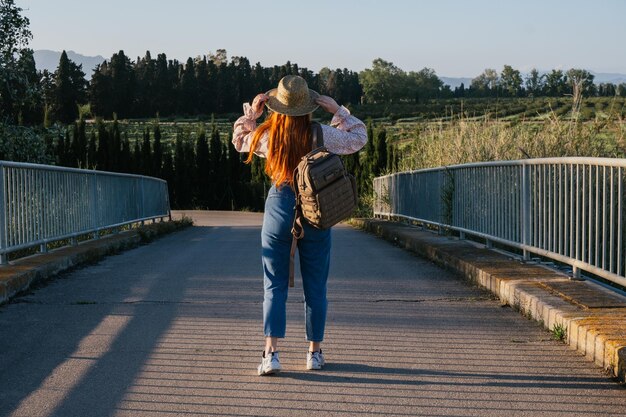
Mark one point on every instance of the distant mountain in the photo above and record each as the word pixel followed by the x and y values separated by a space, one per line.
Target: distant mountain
pixel 456 82
pixel 604 77
pixel 45 59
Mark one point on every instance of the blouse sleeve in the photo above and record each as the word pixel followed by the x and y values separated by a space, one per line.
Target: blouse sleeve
pixel 346 134
pixel 243 131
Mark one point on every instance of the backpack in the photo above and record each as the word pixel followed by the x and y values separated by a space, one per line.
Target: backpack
pixel 325 192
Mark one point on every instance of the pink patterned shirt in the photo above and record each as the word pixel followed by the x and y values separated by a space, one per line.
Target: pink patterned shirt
pixel 345 135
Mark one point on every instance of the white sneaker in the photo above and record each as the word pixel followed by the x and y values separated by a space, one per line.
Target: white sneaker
pixel 314 360
pixel 269 364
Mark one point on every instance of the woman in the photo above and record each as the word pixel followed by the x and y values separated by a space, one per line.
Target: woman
pixel 283 139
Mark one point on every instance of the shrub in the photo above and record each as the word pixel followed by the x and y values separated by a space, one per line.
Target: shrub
pixel 22 144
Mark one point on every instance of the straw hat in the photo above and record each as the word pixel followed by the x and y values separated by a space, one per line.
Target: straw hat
pixel 293 97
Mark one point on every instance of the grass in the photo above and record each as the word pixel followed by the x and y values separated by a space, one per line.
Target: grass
pixel 559 332
pixel 461 140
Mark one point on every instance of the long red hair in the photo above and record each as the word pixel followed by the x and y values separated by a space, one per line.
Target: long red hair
pixel 289 140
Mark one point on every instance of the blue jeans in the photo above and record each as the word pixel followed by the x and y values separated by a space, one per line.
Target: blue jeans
pixel 314 255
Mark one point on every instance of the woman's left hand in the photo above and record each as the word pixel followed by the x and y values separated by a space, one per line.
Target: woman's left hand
pixel 258 103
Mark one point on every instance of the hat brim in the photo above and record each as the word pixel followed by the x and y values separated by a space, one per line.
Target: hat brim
pixel 276 106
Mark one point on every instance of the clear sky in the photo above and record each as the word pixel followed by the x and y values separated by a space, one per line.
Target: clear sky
pixel 454 37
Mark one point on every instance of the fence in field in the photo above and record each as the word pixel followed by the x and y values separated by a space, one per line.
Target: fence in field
pixel 571 210
pixel 42 204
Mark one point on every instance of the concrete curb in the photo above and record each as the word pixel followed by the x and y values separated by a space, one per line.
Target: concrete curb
pixel 20 274
pixel 598 333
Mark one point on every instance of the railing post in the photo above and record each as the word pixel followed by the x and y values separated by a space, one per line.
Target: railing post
pixel 143 203
pixel 94 205
pixel 43 248
pixel 526 210
pixel 3 223
pixel 440 206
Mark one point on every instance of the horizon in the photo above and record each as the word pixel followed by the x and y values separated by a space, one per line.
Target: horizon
pixel 456 38
pixel 468 77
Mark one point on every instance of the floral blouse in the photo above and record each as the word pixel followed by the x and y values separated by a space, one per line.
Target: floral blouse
pixel 345 135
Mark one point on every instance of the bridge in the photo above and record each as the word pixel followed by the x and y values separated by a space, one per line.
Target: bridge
pixel 173 329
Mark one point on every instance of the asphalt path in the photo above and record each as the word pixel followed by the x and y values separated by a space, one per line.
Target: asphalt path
pixel 173 328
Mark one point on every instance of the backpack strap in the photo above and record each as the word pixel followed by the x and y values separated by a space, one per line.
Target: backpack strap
pixel 317 141
pixel 297 230
pixel 317 136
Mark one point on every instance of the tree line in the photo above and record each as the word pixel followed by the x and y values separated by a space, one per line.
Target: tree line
pixel 555 83
pixel 161 87
pixel 214 84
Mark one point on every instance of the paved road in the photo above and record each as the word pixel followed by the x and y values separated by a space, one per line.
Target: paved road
pixel 173 329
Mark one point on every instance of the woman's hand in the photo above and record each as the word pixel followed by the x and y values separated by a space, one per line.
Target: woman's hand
pixel 258 103
pixel 328 104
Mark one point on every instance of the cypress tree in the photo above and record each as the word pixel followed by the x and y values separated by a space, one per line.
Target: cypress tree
pixel 137 158
pixel 368 158
pixel 179 172
pixel 157 153
pixel 125 159
pixel 103 147
pixel 203 87
pixel 188 171
pixel 60 150
pixel 352 164
pixel 367 162
pixel 100 91
pixel 115 143
pixel 225 201
pixel 380 151
pixel 257 170
pixel 188 89
pixel 92 153
pixel 391 158
pixel 204 189
pixel 145 71
pixel 234 176
pixel 81 148
pixel 146 154
pixel 72 147
pixel 215 162
pixel 168 173
pixel 64 105
pixel 122 84
pixel 163 94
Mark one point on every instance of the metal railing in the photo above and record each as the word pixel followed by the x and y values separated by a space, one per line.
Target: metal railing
pixel 571 210
pixel 43 204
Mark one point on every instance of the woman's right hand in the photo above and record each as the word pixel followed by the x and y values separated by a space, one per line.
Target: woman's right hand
pixel 258 103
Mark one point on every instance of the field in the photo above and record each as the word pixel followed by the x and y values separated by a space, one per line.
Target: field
pixel 443 132
pixel 170 129
pixel 502 109
pixel 454 131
